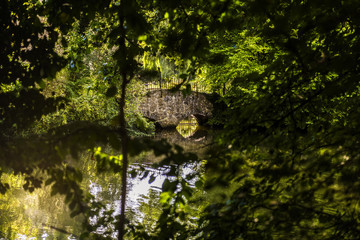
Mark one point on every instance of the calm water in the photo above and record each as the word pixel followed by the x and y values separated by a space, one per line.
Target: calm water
pixel 41 216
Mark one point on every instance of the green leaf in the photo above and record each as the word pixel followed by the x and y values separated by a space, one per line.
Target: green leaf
pixel 165 197
pixel 111 92
pixel 142 38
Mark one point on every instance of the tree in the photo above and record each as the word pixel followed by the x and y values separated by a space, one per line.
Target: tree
pixel 32 56
pixel 289 144
pixel 291 136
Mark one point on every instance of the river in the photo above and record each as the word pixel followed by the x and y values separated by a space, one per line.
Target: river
pixel 39 215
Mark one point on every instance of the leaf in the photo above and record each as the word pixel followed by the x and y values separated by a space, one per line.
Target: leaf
pixel 199 184
pixel 133 173
pixel 111 92
pixel 164 197
pixel 169 186
pixel 142 38
pixel 165 185
pixel 152 179
pixel 115 121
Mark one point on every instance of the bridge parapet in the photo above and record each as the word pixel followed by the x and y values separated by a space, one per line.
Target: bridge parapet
pixel 175 82
pixel 169 108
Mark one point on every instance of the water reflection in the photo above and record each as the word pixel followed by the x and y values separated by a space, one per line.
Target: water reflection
pixel 36 215
pixel 188 126
pixel 141 186
pixel 39 215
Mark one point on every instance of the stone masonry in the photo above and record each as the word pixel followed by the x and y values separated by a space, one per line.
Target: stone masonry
pixel 169 108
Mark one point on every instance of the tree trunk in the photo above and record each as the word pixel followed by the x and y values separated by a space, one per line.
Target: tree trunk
pixel 123 132
pixel 125 162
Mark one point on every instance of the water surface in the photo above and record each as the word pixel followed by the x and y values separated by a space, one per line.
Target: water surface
pixel 39 215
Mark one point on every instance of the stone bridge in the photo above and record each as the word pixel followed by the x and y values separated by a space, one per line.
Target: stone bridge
pixel 168 108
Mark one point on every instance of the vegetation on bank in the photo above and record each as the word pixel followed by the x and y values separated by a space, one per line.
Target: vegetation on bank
pixel 71 73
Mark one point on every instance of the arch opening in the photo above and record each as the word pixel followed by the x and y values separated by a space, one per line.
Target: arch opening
pixel 201 119
pixel 188 126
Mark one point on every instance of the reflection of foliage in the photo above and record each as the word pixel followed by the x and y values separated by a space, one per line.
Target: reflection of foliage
pixel 150 209
pixel 32 214
pixel 178 200
pixel 288 72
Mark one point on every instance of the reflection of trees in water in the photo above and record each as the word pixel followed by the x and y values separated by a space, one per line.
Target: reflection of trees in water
pixel 151 208
pixel 34 214
pixel 196 143
pixel 39 214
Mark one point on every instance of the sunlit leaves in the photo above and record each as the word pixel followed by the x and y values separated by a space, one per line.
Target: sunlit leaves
pixel 165 197
pixel 287 71
pixel 106 162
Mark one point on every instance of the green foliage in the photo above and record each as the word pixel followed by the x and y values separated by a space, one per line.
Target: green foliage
pixel 287 71
pixel 283 124
pixel 27 57
pixel 235 54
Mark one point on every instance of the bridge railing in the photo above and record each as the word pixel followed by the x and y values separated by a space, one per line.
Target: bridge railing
pixel 171 83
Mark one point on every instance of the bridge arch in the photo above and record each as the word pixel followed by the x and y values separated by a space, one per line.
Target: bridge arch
pixel 168 108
